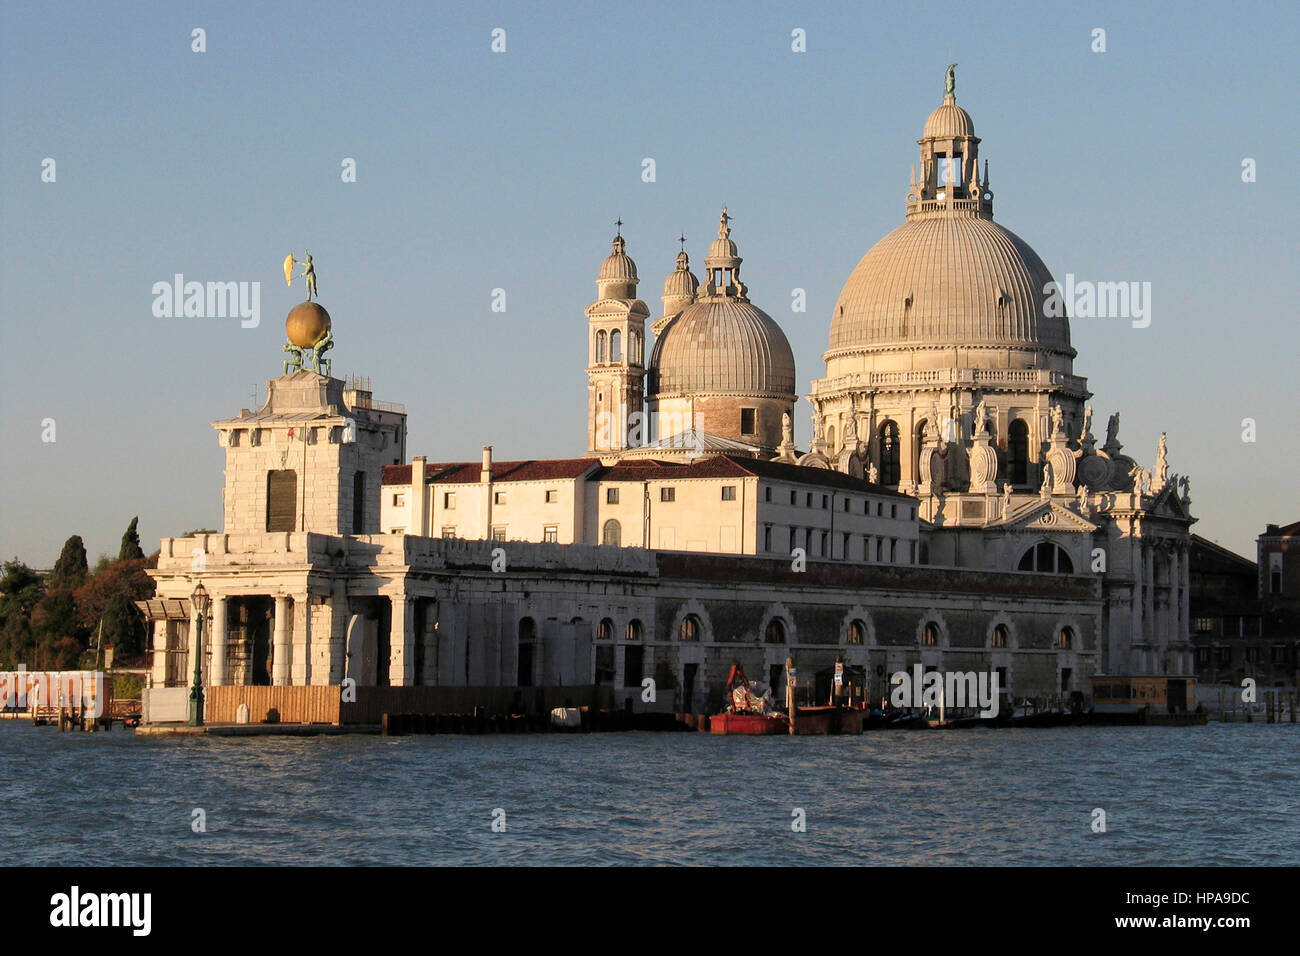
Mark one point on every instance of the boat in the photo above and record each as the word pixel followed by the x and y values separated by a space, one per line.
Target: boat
pixel 748 724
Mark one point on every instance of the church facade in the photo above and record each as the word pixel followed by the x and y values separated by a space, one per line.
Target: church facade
pixel 951 507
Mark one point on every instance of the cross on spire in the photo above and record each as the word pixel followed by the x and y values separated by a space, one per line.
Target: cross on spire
pixel 682 240
pixel 619 223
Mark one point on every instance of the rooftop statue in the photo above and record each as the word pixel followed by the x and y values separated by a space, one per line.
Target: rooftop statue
pixel 950 84
pixel 308 272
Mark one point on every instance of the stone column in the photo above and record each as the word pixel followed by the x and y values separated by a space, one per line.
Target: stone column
pixel 217 668
pixel 280 650
pixel 300 671
pixel 401 641
pixel 160 629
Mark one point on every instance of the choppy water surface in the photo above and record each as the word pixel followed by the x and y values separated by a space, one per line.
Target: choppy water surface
pixel 1222 794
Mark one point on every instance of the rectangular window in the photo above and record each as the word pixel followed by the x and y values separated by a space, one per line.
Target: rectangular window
pixel 847 503
pixel 792 498
pixel 449 500
pixel 1205 625
pixel 747 416
pixel 845 554
pixel 1250 627
pixel 880 549
pixel 499 498
pixel 728 492
pixel 893 511
pixel 611 496
pixel 767 538
pixel 498 533
pixel 826 502
pixel 866 548
pixel 633 664
pixel 893 550
pixel 552 496
pixel 398 531
pixel 448 532
pixel 359 502
pixel 1279 653
pixel 1252 655
pixel 1203 655
pixel 1225 656
pixel 398 501
pixel 807 501
pixel 282 500
pixel 825 552
pixel 667 494
pixel 767 493
pixel 911 553
pixel 880 509
pixel 551 533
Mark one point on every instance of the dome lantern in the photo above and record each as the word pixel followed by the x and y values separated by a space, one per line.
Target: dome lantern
pixel 950 183
pixel 617 278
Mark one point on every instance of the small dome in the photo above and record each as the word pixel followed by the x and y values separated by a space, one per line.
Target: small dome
pixel 681 282
pixel 618 265
pixel 723 345
pixel 949 121
pixel 306 323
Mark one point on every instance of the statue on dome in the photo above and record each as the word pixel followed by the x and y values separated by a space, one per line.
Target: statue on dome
pixel 308 272
pixel 787 429
pixel 1058 421
pixel 950 83
pixel 1112 433
pixel 724 230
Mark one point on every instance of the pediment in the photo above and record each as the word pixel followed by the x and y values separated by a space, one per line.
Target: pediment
pixel 1048 516
pixel 1168 503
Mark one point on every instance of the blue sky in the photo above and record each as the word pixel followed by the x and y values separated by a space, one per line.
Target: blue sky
pixel 479 170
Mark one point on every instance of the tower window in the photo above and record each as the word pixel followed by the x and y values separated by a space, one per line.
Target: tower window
pixel 747 418
pixel 282 500
pixel 889 461
pixel 600 346
pixel 616 346
pixel 359 502
pixel 1018 452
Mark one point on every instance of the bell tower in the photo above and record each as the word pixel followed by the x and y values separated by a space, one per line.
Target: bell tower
pixel 950 180
pixel 616 356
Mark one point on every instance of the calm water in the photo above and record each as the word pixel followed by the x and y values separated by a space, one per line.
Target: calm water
pixel 1220 794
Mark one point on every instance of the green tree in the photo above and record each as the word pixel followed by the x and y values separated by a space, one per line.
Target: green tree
pixel 70 570
pixel 20 591
pixel 123 626
pixel 131 543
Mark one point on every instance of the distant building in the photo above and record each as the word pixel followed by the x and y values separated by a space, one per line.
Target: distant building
pixel 1279 589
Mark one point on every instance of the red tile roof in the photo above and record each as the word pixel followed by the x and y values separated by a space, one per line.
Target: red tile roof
pixel 467 472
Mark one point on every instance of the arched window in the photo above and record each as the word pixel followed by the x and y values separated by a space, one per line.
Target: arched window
pixel 1018 452
pixel 999 638
pixel 690 629
pixel 930 636
pixel 1065 639
pixel 612 534
pixel 616 346
pixel 1046 558
pixel 856 633
pixel 830 439
pixel 918 441
pixel 600 346
pixel 634 348
pixel 775 633
pixel 605 630
pixel 634 630
pixel 527 641
pixel 889 468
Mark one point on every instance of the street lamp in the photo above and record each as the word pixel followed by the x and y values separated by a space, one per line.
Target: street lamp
pixel 199 600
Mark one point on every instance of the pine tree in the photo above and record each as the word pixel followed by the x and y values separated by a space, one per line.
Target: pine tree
pixel 70 570
pixel 130 543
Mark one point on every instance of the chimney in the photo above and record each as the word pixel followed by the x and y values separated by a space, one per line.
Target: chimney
pixel 416 494
pixel 485 475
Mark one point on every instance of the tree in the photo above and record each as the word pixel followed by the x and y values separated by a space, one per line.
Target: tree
pixel 70 570
pixel 123 627
pixel 55 616
pixel 20 591
pixel 126 577
pixel 131 543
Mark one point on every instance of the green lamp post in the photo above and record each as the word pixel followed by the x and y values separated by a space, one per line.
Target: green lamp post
pixel 200 602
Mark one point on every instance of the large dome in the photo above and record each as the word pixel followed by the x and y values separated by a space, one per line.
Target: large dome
pixel 723 345
pixel 949 280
